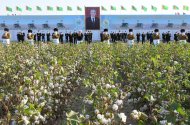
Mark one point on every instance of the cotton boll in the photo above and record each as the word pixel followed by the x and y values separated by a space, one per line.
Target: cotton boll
pixel 115 107
pixel 104 121
pixel 108 86
pixel 100 117
pixel 119 102
pixel 56 85
pixel 163 122
pixel 123 117
pixel 139 89
pixel 152 98
pixel 87 116
pixel 96 111
pixel 25 120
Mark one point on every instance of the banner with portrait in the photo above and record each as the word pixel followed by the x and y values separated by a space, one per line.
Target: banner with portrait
pixel 92 18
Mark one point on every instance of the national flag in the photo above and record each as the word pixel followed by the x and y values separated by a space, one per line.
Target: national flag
pixel 123 8
pixel 28 8
pixel 186 8
pixel 59 8
pixel 79 8
pixel 154 8
pixel 113 8
pixel 134 8
pixel 164 7
pixel 103 8
pixel 18 9
pixel 49 8
pixel 38 8
pixel 69 8
pixel 175 7
pixel 144 8
pixel 9 9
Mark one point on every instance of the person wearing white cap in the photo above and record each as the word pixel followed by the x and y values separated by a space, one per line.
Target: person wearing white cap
pixel 183 37
pixel 106 36
pixel 6 37
pixel 55 36
pixel 30 37
pixel 130 37
pixel 156 37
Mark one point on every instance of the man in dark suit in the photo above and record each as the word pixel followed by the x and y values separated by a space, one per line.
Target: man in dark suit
pixel 39 36
pixel 48 37
pixel 43 37
pixel 61 37
pixel 138 37
pixel 92 22
pixel 143 37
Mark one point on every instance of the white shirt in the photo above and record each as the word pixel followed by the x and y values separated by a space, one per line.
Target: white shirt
pixel 93 19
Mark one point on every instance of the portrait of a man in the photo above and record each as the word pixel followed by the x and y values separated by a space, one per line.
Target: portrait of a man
pixel 92 21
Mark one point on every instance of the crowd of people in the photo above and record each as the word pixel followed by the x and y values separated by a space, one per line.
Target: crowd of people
pixel 68 37
pixel 78 37
pixel 148 36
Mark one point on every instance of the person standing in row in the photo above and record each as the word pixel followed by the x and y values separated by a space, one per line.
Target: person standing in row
pixel 67 37
pixel 30 37
pixel 43 37
pixel 183 37
pixel 48 37
pixel 130 37
pixel 148 36
pixel 75 37
pixel 70 38
pixel 6 36
pixel 151 37
pixel 168 37
pixel 106 36
pixel 55 36
pixel 143 37
pixel 101 36
pixel 20 36
pixel 188 35
pixel 79 37
pixel 138 37
pixel 164 37
pixel 89 37
pixel 34 37
pixel 38 37
pixel 156 37
pixel 61 38
pixel 176 36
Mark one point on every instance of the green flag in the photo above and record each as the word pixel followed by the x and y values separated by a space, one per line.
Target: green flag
pixel 28 8
pixel 69 8
pixel 38 8
pixel 113 8
pixel 144 8
pixel 123 8
pixel 164 7
pixel 59 8
pixel 9 9
pixel 134 8
pixel 154 8
pixel 79 8
pixel 175 7
pixel 18 9
pixel 103 8
pixel 49 8
pixel 185 7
